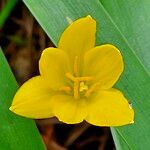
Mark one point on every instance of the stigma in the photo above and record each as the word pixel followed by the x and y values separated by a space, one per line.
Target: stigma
pixel 83 87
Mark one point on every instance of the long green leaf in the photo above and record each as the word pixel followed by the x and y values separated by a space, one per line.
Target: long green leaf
pixel 53 15
pixel 16 133
pixel 132 18
pixel 4 13
pixel 120 142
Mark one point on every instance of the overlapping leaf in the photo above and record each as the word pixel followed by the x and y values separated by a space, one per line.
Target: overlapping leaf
pixel 16 133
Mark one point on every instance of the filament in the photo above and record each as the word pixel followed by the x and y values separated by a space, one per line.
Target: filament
pixel 75 67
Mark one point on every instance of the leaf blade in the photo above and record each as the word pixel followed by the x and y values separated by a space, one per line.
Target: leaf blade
pixel 14 129
pixel 135 20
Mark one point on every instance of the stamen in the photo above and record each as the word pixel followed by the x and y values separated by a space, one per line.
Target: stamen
pixel 76 89
pixel 79 85
pixel 70 76
pixel 84 78
pixel 92 88
pixel 65 88
pixel 75 67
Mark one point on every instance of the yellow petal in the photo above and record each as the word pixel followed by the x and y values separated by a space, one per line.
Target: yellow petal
pixel 105 64
pixel 78 37
pixel 33 99
pixel 53 65
pixel 69 110
pixel 109 108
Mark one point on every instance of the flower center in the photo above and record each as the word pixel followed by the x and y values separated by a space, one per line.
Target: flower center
pixel 80 86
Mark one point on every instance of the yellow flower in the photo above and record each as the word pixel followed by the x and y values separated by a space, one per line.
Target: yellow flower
pixel 75 81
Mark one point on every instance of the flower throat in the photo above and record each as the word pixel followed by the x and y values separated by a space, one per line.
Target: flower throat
pixel 79 83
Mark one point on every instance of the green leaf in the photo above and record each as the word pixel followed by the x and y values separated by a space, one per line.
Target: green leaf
pixel 16 133
pixel 132 18
pixel 135 82
pixel 4 13
pixel 120 142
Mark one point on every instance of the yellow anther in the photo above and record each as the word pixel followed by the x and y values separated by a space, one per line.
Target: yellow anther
pixel 76 89
pixel 70 76
pixel 91 89
pixel 83 87
pixel 75 67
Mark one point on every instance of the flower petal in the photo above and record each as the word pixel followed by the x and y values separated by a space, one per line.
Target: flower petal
pixel 109 108
pixel 78 37
pixel 68 109
pixel 33 99
pixel 105 64
pixel 53 65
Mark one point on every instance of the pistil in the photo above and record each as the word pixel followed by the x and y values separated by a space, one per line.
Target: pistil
pixel 83 87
